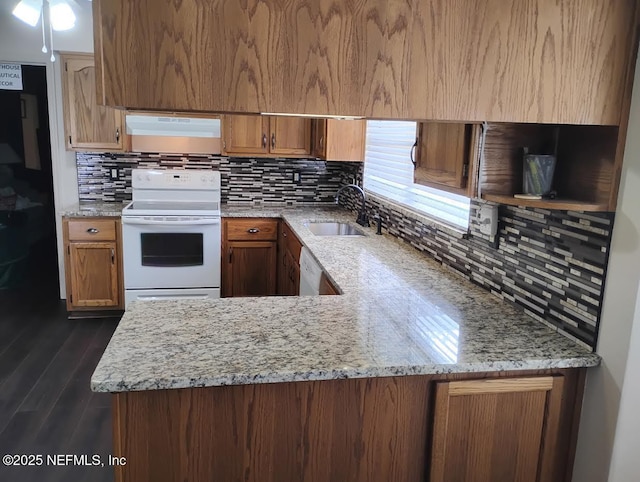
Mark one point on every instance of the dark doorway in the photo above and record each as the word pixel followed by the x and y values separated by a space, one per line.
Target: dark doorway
pixel 28 256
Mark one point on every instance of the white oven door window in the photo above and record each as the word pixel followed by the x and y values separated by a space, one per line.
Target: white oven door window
pixel 172 254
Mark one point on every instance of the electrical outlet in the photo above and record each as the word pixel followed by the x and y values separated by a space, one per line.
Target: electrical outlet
pixel 114 174
pixel 487 218
pixel 296 177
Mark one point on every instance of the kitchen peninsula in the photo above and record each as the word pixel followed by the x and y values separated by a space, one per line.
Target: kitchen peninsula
pixel 412 372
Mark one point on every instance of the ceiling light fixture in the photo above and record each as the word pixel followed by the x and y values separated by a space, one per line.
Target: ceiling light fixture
pixel 28 11
pixel 61 17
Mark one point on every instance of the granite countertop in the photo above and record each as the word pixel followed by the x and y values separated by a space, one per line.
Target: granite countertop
pixel 91 209
pixel 400 313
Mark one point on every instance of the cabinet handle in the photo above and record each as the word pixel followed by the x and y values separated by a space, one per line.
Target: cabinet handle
pixel 93 230
pixel 413 148
pixel 322 143
pixel 230 254
pixel 113 256
pixel 117 134
pixel 284 234
pixel 253 230
pixel 273 141
pixel 264 141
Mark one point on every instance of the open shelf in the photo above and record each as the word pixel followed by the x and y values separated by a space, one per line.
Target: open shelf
pixel 586 173
pixel 560 204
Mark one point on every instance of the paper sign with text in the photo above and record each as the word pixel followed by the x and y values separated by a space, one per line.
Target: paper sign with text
pixel 10 76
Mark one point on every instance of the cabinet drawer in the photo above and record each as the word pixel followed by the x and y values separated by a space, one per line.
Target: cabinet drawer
pixel 92 230
pixel 251 229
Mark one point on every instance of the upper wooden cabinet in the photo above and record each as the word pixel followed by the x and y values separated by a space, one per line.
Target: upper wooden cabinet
pixel 88 126
pixel 470 60
pixel 338 140
pixel 266 136
pixel 245 134
pixel 442 155
pixel 289 136
pixel 445 156
pixel 587 171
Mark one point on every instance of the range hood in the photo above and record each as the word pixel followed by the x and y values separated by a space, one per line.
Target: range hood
pixel 173 134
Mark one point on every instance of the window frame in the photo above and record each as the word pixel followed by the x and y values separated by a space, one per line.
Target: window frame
pixel 398 187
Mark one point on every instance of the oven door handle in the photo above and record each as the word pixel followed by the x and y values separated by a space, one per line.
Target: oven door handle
pixel 161 224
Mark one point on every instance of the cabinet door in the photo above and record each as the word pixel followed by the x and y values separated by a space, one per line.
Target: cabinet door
pixel 87 124
pixel 326 286
pixel 500 429
pixel 283 262
pixel 93 274
pixel 246 134
pixel 319 138
pixel 345 140
pixel 293 275
pixel 250 268
pixel 290 136
pixel 441 157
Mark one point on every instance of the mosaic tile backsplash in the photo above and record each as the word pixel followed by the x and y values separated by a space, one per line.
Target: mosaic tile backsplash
pixel 244 181
pixel 551 264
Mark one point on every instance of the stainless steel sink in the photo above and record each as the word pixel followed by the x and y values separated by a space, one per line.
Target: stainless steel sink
pixel 333 229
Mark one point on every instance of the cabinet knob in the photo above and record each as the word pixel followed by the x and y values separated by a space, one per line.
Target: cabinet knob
pixel 264 140
pixel 253 230
pixel 117 134
pixel 93 230
pixel 273 141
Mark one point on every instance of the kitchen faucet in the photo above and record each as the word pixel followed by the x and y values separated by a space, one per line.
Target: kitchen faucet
pixel 362 219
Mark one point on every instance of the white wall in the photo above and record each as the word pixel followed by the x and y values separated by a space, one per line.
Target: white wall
pixel 600 410
pixel 625 465
pixel 21 43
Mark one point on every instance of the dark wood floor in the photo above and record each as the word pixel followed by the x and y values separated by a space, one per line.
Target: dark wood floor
pixel 46 362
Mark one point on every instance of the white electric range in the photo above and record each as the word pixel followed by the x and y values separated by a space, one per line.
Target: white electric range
pixel 171 235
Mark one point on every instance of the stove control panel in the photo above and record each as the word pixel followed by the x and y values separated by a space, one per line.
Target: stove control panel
pixel 175 179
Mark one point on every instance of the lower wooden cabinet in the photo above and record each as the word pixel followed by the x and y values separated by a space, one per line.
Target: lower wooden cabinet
pixel 93 267
pixel 250 268
pixel 249 257
pixel 496 429
pixel 326 286
pixel 289 247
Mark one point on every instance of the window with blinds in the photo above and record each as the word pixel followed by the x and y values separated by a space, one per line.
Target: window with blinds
pixel 388 172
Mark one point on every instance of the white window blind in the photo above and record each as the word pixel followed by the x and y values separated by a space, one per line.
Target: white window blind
pixel 388 172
